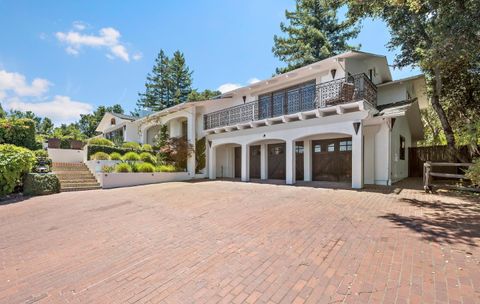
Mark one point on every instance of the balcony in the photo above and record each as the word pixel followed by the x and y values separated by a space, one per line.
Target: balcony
pixel 305 99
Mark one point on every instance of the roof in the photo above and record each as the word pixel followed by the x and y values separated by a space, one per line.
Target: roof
pixel 311 66
pixel 393 106
pixel 419 76
pixel 123 116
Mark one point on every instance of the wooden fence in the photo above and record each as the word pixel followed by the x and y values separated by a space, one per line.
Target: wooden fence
pixel 417 156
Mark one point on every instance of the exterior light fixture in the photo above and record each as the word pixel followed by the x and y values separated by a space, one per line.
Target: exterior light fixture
pixel 356 127
pixel 244 98
pixel 333 72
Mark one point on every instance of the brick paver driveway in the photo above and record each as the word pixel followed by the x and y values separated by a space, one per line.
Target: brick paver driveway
pixel 234 242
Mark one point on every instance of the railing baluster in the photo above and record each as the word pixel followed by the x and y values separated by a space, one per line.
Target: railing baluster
pixel 324 94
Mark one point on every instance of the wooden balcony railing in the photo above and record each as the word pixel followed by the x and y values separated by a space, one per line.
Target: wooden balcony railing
pixel 339 91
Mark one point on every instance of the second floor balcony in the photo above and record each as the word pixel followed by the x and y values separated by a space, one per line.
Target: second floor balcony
pixel 303 99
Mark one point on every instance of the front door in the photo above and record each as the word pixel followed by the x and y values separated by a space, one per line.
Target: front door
pixel 254 161
pixel 332 160
pixel 276 161
pixel 238 162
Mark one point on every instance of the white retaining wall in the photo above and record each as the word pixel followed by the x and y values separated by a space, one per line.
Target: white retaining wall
pixel 115 180
pixel 65 155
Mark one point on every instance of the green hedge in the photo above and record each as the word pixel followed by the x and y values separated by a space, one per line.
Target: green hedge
pixel 92 149
pixel 18 132
pixel 14 163
pixel 40 184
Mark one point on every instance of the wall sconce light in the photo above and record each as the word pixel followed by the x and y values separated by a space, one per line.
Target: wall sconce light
pixel 333 72
pixel 244 99
pixel 356 127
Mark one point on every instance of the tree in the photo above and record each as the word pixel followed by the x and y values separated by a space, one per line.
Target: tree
pixel 169 83
pixel 313 33
pixel 45 127
pixel 180 77
pixel 3 114
pixel 440 37
pixel 89 122
pixel 205 95
pixel 158 89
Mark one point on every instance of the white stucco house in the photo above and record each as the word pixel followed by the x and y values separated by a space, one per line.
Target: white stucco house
pixel 342 119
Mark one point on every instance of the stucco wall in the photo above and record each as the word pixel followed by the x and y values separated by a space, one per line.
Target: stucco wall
pixel 399 166
pixel 66 155
pixel 115 180
pixel 391 93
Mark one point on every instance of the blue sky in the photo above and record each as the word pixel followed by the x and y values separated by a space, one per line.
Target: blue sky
pixel 63 58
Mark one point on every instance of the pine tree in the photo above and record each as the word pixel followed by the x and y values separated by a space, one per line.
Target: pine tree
pixel 180 77
pixel 158 89
pixel 313 33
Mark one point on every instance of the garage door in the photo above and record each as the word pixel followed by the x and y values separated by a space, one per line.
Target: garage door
pixel 276 161
pixel 254 161
pixel 332 160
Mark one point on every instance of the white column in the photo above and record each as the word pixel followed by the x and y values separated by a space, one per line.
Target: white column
pixel 245 163
pixel 290 159
pixel 263 161
pixel 307 160
pixel 357 159
pixel 212 162
pixel 191 136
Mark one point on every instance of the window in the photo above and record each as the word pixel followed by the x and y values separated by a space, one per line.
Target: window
pixel 317 148
pixel 112 121
pixel 346 145
pixel 402 147
pixel 299 149
pixel 331 147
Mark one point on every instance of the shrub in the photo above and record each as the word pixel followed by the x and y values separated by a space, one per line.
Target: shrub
pixel 92 149
pixel 40 184
pixel 166 168
pixel 40 153
pixel 148 158
pixel 200 156
pixel 473 173
pixel 100 141
pixel 147 147
pixel 100 156
pixel 145 167
pixel 123 168
pixel 131 156
pixel 108 169
pixel 14 162
pixel 176 150
pixel 115 156
pixel 18 132
pixel 131 145
pixel 134 166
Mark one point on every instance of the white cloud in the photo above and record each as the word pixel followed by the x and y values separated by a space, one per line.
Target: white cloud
pixel 107 38
pixel 16 83
pixel 17 94
pixel 137 56
pixel 227 87
pixel 253 80
pixel 61 109
pixel 79 25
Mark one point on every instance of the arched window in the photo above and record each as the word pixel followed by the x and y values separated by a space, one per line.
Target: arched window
pixel 112 121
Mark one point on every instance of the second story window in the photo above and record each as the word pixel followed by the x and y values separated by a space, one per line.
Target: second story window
pixel 112 121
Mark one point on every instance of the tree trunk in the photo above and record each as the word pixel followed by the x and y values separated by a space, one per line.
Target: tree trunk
pixel 447 128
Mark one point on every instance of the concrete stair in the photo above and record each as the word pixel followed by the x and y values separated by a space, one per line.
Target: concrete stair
pixel 75 177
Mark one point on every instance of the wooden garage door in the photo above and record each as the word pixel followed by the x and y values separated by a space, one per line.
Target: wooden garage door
pixel 254 161
pixel 332 160
pixel 238 162
pixel 299 160
pixel 276 161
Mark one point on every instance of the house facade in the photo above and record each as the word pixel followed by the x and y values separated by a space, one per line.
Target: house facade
pixel 342 119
